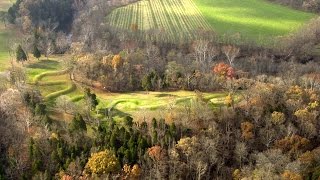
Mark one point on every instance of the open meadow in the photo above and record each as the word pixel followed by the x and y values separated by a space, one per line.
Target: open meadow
pixel 253 19
pixel 177 20
pixel 174 20
pixel 5 35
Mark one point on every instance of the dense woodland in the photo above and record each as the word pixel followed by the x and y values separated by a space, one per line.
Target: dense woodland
pixel 268 128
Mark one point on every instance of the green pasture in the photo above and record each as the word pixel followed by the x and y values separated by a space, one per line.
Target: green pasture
pixel 51 79
pixel 253 19
pixel 5 35
pixel 175 20
pixel 248 20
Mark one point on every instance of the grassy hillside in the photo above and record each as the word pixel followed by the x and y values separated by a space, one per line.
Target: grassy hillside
pixel 175 19
pixel 5 35
pixel 129 102
pixel 139 104
pixel 51 79
pixel 4 54
pixel 253 19
pixel 180 19
pixel 5 4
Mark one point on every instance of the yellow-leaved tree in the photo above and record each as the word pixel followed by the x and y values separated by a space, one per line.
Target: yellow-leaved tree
pixel 102 162
pixel 116 62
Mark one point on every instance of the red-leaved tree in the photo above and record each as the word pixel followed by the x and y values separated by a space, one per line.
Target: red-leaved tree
pixel 224 70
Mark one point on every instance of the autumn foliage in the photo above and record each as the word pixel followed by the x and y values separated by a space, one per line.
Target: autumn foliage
pixel 224 71
pixel 103 162
pixel 133 172
pixel 116 62
pixel 289 175
pixel 156 153
pixel 292 144
pixel 247 128
pixel 277 117
pixel 229 100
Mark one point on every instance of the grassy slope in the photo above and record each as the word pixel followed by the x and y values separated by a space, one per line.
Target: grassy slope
pixel 5 34
pixel 4 55
pixel 130 102
pixel 152 104
pixel 254 19
pixel 49 77
pixel 5 4
pixel 178 19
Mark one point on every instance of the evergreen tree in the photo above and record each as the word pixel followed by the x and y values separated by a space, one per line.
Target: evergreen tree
pixel 154 137
pixel 154 123
pixel 131 142
pixel 40 109
pixel 91 99
pixel 36 53
pixel 78 123
pixel 128 121
pixel 113 140
pixel 21 55
pixel 31 143
pixel 146 83
pixel 127 156
pixel 173 130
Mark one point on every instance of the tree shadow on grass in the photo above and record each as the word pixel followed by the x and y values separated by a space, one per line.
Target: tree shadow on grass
pixel 45 64
pixel 113 112
pixel 165 95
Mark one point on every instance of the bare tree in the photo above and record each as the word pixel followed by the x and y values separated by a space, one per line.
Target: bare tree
pixel 241 152
pixel 64 103
pixel 201 169
pixel 46 42
pixel 204 53
pixel 231 53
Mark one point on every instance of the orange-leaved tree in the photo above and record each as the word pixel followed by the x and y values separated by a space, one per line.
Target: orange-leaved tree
pixel 224 71
pixel 247 130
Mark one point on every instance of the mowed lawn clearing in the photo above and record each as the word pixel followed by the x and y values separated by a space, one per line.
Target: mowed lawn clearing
pixel 253 19
pixel 51 78
pixel 142 105
pixel 134 101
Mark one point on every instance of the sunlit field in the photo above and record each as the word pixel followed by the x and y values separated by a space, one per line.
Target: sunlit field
pixel 173 19
pixel 253 19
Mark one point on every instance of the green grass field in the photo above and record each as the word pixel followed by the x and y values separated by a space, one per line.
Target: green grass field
pixel 152 104
pixel 254 19
pixel 4 54
pixel 130 102
pixel 5 35
pixel 173 19
pixel 51 79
